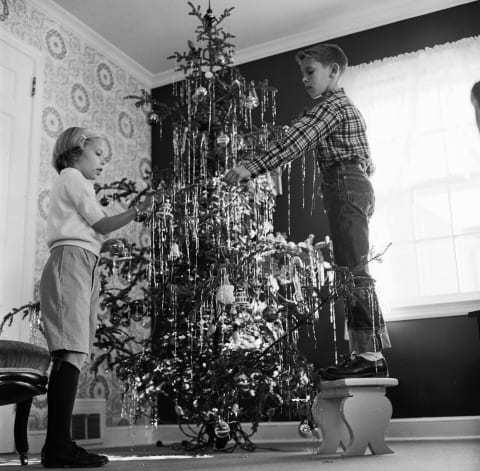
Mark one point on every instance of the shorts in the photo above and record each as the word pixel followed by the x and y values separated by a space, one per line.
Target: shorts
pixel 69 294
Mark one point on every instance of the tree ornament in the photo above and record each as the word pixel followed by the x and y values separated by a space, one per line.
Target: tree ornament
pixel 222 429
pixel 153 118
pixel 225 294
pixel 241 299
pixel 304 429
pixel 115 318
pixel 220 59
pixel 252 101
pixel 239 142
pixel 209 18
pixel 270 313
pixel 117 248
pixel 200 95
pixel 270 412
pixel 137 310
pixel 178 410
pixel 212 328
pixel 223 140
pixel 242 381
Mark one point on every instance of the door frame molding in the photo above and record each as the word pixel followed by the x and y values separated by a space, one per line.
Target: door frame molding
pixel 32 177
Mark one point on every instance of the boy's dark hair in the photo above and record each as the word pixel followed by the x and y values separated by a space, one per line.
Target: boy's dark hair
pixel 476 91
pixel 326 54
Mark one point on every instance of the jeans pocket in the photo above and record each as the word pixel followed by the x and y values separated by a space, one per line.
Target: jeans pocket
pixel 363 201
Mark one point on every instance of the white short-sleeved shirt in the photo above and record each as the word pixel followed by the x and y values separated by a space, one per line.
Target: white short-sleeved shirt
pixel 74 209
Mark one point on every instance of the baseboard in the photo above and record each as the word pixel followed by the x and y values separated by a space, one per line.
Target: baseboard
pixel 423 428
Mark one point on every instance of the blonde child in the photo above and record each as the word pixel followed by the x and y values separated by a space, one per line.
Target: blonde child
pixel 335 129
pixel 69 286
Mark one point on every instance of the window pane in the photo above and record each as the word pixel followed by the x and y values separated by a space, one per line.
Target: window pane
pixel 431 212
pixel 466 216
pixel 468 255
pixel 437 268
pixel 463 149
pixel 397 276
pixel 427 158
pixel 427 112
pixel 392 221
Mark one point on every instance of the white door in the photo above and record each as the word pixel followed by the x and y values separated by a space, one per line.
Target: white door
pixel 18 174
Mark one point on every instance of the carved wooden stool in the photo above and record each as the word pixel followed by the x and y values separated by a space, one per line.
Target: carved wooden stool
pixel 353 414
pixel 23 368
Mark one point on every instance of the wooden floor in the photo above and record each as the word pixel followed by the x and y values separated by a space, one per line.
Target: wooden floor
pixel 457 455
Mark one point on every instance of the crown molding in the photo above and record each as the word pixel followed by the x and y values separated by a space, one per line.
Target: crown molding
pixel 342 24
pixel 102 45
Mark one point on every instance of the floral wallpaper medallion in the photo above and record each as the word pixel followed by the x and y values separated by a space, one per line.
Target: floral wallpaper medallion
pixel 80 98
pixel 55 44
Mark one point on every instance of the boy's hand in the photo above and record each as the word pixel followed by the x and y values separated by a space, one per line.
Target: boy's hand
pixel 237 175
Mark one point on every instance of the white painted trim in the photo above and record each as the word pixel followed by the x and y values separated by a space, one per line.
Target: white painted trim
pixel 336 27
pixel 445 308
pixel 84 32
pixel 422 428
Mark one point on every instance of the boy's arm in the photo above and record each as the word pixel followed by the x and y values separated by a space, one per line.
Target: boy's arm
pixel 315 126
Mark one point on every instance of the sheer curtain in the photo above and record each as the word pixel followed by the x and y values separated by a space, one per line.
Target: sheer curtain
pixel 426 149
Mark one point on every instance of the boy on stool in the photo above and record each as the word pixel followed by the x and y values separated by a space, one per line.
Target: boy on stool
pixel 336 130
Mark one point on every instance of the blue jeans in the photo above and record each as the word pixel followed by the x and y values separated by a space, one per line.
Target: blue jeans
pixel 349 202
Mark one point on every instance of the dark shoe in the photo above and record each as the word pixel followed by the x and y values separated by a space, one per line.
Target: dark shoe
pixel 70 456
pixel 343 360
pixel 358 367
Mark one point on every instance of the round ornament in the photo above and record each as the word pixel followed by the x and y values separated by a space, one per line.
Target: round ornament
pixel 251 102
pixel 117 248
pixel 241 379
pixel 115 318
pixel 270 313
pixel 304 430
pixel 222 429
pixel 153 118
pixel 200 95
pixel 223 140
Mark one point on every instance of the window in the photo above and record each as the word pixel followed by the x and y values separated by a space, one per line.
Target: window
pixel 426 149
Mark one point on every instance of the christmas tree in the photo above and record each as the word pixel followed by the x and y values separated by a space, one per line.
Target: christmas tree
pixel 224 295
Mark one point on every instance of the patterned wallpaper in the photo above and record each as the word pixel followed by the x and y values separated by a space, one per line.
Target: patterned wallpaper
pixel 82 87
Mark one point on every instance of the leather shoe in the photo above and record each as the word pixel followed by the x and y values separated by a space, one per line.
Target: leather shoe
pixel 358 367
pixel 70 456
pixel 343 360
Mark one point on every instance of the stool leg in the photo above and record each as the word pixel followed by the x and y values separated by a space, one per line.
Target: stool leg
pixel 20 429
pixel 367 414
pixel 326 413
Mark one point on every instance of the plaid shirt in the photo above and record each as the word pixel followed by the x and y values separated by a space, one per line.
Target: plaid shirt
pixel 334 128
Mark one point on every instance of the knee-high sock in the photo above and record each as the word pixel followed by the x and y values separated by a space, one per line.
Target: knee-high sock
pixel 62 389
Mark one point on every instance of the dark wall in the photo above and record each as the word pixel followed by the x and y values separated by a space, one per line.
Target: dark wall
pixel 437 361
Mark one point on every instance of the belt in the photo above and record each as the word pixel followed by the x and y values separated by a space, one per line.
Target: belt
pixel 344 164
